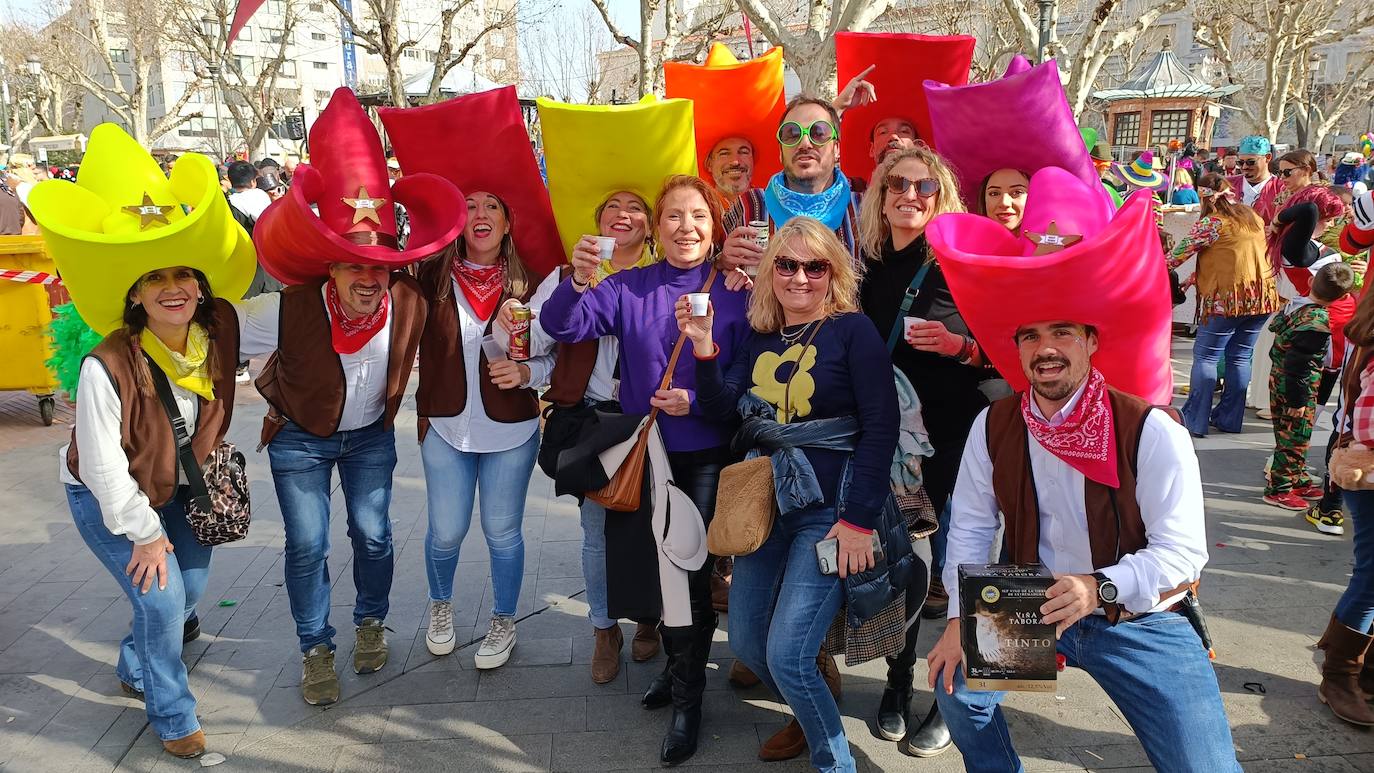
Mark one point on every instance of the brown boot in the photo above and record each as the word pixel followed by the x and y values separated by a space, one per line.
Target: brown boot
pixel 186 747
pixel 720 583
pixel 644 646
pixel 1345 649
pixel 741 676
pixel 830 671
pixel 606 656
pixel 785 744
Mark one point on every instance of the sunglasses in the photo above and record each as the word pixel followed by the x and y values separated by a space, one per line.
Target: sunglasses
pixel 1248 162
pixel 1286 173
pixel 925 187
pixel 820 133
pixel 814 269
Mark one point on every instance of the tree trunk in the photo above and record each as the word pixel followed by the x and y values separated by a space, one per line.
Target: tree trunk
pixel 647 8
pixel 815 70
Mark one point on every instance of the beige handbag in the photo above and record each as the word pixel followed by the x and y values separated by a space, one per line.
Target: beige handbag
pixel 1352 464
pixel 746 502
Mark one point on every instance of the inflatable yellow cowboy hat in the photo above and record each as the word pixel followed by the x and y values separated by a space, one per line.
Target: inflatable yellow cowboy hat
pixel 592 151
pixel 123 218
pixel 731 98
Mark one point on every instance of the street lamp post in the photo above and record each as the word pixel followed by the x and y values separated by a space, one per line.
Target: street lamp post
pixel 213 67
pixel 1315 61
pixel 4 104
pixel 1046 6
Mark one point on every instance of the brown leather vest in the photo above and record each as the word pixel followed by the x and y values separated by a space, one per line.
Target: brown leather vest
pixel 443 389
pixel 304 378
pixel 1115 525
pixel 572 371
pixel 145 430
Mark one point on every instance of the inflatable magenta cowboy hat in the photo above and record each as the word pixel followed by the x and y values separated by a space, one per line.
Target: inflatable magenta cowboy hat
pixel 497 158
pixel 1025 98
pixel 347 181
pixel 1072 263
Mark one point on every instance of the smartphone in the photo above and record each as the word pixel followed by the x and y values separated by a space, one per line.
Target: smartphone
pixel 827 554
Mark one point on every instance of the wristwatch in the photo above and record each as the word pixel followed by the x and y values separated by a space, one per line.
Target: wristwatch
pixel 1107 592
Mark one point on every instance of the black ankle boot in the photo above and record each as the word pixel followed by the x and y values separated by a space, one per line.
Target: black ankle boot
pixel 688 683
pixel 660 692
pixel 190 630
pixel 895 708
pixel 931 738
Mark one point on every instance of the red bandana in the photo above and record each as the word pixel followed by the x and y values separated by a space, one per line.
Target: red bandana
pixel 481 286
pixel 350 335
pixel 1085 440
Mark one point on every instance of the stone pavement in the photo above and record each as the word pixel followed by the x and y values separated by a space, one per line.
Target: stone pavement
pixel 1268 591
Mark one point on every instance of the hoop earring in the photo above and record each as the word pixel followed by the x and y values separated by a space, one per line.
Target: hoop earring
pixel 202 299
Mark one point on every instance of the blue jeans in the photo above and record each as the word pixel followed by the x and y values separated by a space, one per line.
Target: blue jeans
pixel 1154 669
pixel 302 467
pixel 453 478
pixel 780 608
pixel 150 656
pixel 594 562
pixel 938 540
pixel 1232 339
pixel 1356 607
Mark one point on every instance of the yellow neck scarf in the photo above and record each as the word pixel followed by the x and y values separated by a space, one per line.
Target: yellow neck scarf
pixel 606 268
pixel 190 371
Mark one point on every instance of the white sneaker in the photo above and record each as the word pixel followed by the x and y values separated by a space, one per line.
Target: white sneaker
pixel 498 644
pixel 440 638
pixel 242 376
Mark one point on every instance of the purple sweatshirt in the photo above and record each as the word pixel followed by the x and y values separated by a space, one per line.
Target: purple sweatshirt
pixel 636 306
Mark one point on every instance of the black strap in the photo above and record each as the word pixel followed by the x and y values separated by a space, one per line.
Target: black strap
pixel 910 298
pixel 186 456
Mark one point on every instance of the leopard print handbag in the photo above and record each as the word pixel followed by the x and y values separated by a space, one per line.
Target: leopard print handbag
pixel 217 509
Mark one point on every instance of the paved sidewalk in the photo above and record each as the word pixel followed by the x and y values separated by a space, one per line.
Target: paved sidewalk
pixel 1269 588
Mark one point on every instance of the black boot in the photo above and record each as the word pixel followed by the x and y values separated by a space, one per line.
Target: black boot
pixel 190 631
pixel 931 738
pixel 895 707
pixel 660 692
pixel 688 674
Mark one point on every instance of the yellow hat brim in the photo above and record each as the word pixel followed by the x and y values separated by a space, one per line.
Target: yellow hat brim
pixel 100 253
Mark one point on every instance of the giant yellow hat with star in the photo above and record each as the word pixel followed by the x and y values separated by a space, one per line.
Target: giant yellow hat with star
pixel 123 218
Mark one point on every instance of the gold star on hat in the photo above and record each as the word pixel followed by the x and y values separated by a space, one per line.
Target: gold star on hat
pixel 365 206
pixel 1051 240
pixel 148 212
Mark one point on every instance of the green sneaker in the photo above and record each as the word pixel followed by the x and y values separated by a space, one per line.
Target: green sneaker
pixel 319 683
pixel 1327 521
pixel 370 654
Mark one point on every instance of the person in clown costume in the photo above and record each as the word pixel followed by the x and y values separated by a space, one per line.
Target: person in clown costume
pixel 1086 475
pixel 343 337
pixel 149 262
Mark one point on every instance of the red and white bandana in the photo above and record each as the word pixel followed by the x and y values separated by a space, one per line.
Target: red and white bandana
pixel 482 285
pixel 350 335
pixel 1085 439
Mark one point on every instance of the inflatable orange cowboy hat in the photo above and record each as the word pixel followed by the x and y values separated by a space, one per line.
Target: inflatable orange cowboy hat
pixel 1075 261
pixel 497 158
pixel 347 181
pixel 901 64
pixel 733 99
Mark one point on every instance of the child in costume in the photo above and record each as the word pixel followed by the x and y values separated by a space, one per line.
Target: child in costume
pixel 1302 335
pixel 149 261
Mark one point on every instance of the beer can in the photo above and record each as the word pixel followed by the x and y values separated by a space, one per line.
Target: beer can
pixel 520 332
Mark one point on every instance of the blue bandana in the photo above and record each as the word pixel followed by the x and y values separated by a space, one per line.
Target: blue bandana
pixel 828 206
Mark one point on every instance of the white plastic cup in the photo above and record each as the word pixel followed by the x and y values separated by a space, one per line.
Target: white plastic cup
pixel 761 239
pixel 701 303
pixel 911 322
pixel 493 349
pixel 606 246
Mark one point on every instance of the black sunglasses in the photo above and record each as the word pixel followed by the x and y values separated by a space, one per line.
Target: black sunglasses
pixel 925 187
pixel 814 269
pixel 1286 173
pixel 1248 162
pixel 820 133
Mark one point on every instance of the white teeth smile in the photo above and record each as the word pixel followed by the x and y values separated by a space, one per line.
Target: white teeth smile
pixel 481 230
pixel 174 304
pixel 908 208
pixel 620 227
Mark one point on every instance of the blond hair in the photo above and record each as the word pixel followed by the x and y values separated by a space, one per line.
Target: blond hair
pixel 811 238
pixel 873 226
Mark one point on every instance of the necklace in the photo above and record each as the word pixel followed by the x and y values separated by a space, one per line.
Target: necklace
pixel 790 339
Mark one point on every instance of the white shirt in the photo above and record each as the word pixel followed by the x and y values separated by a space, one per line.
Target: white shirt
pixel 103 465
pixel 1249 193
pixel 603 384
pixel 473 431
pixel 250 201
pixel 364 370
pixel 1168 490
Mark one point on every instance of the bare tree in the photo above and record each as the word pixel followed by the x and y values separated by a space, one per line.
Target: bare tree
pixel 452 52
pixel 142 42
pixel 39 102
pixel 677 29
pixel 1267 46
pixel 561 55
pixel 807 34
pixel 1329 103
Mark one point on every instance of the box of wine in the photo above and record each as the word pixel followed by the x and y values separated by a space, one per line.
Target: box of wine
pixel 1006 646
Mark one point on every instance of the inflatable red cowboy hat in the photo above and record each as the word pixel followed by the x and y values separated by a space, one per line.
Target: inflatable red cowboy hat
pixel 731 98
pixel 1094 267
pixel 497 158
pixel 903 63
pixel 346 180
pixel 1028 99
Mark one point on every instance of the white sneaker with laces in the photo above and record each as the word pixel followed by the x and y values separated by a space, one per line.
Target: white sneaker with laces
pixel 498 644
pixel 440 639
